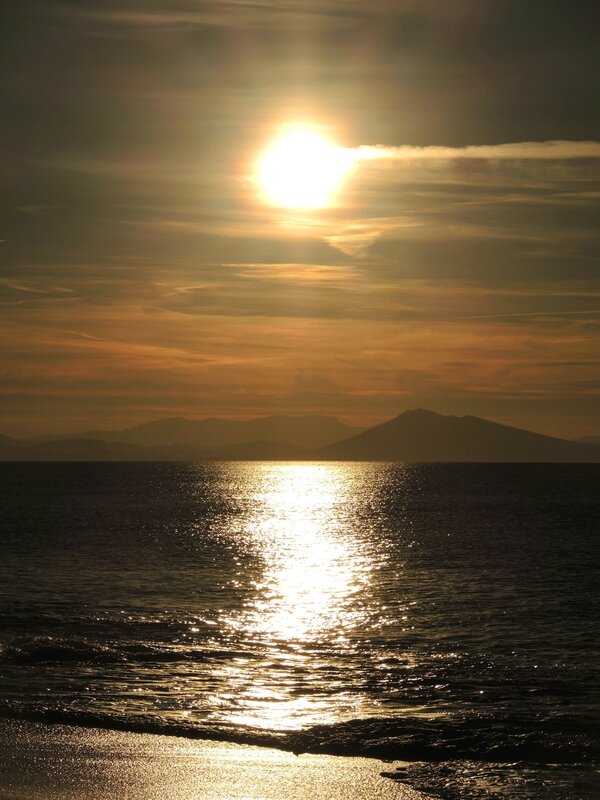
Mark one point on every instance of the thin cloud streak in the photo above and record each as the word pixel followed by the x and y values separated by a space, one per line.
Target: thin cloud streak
pixel 552 150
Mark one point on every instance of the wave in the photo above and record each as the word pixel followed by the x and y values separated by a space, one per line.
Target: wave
pixel 50 650
pixel 407 739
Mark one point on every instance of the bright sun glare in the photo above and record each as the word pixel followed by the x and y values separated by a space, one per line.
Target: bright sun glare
pixel 302 169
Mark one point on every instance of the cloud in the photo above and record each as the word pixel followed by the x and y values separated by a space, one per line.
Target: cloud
pixel 540 194
pixel 186 15
pixel 543 151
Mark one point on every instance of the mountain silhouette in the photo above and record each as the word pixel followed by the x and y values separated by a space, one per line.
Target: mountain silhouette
pixel 75 449
pixel 421 435
pixel 305 431
pixel 589 439
pixel 78 449
pixel 10 449
pixel 415 436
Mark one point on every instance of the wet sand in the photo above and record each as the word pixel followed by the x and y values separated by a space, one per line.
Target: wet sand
pixel 52 762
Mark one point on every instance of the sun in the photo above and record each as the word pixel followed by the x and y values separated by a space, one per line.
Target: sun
pixel 302 169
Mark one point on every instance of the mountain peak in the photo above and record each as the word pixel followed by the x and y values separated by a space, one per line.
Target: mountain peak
pixel 420 412
pixel 420 435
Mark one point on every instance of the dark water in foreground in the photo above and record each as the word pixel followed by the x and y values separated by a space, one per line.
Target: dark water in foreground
pixel 440 614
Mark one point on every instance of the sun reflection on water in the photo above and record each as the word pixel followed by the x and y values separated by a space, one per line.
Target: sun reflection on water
pixel 308 598
pixel 313 565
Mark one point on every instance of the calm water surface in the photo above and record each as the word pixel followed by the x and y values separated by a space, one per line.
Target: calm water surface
pixel 442 614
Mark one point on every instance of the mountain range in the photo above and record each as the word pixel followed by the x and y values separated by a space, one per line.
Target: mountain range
pixel 307 431
pixel 414 436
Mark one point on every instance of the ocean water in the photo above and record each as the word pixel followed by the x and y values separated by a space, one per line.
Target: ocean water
pixel 441 615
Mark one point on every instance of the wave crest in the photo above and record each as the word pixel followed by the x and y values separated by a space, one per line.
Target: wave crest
pixel 50 650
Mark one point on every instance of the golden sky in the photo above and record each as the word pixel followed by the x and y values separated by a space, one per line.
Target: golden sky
pixel 143 274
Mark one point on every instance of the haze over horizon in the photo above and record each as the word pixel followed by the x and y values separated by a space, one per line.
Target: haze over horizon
pixel 145 273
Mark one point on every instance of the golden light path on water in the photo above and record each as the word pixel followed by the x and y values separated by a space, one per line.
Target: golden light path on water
pixel 308 599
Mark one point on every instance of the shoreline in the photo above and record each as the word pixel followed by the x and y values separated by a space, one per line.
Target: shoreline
pixel 53 761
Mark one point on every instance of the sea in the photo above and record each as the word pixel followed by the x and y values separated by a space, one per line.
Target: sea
pixel 440 617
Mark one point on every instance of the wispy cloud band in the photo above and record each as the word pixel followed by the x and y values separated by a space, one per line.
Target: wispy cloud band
pixel 551 150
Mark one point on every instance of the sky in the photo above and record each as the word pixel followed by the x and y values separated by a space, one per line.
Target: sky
pixel 143 274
